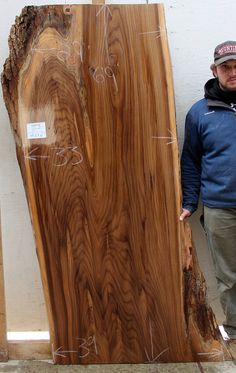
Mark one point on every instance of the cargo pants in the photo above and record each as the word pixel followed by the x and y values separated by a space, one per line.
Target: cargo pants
pixel 220 227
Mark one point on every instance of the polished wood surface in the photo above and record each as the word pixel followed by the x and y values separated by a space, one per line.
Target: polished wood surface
pixel 92 84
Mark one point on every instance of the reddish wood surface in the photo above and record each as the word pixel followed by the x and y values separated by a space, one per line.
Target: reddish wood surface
pixel 103 185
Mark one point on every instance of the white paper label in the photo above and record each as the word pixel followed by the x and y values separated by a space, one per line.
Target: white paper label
pixel 36 130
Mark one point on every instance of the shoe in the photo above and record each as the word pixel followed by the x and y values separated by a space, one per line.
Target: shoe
pixel 231 331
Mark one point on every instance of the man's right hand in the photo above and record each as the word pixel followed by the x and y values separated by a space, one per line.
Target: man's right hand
pixel 185 213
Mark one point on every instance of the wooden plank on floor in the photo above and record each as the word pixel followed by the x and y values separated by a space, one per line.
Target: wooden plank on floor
pixel 29 350
pixel 3 323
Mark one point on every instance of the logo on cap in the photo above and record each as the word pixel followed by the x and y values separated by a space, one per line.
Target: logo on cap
pixel 227 49
pixel 224 52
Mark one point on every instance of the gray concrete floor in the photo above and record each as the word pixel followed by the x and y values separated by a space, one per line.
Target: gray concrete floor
pixel 48 367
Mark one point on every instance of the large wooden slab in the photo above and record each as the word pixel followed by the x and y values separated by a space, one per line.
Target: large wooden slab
pixel 103 184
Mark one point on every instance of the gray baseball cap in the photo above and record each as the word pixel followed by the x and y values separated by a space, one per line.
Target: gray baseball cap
pixel 224 52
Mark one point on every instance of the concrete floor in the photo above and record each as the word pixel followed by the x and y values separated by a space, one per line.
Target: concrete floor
pixel 48 367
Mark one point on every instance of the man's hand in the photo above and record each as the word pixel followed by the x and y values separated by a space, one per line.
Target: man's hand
pixel 185 214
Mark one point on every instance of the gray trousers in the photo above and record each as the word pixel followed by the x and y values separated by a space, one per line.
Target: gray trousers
pixel 220 227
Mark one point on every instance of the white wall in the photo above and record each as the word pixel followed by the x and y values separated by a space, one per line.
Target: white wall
pixel 194 28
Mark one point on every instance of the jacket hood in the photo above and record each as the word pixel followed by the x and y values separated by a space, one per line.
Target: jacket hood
pixel 214 92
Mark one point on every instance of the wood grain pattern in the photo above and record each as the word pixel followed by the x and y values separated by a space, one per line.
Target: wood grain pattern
pixel 29 350
pixel 103 185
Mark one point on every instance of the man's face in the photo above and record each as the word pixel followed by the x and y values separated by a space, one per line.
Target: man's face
pixel 226 73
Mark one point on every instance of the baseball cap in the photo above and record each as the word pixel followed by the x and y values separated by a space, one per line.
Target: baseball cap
pixel 224 52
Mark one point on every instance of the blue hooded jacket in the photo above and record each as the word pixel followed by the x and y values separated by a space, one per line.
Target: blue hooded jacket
pixel 208 162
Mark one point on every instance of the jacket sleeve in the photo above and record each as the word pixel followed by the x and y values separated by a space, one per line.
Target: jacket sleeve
pixel 191 164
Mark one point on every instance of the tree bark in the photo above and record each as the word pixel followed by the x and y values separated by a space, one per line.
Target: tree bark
pixel 90 99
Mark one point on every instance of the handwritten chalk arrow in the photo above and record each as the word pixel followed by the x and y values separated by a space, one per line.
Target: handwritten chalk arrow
pixel 215 353
pixel 156 33
pixel 34 157
pixel 60 352
pixel 104 7
pixel 172 138
pixel 154 359
pixel 106 11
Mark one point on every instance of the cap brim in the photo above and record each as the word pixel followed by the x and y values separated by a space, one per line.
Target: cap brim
pixel 226 58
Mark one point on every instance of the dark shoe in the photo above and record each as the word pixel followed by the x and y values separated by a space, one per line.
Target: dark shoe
pixel 231 331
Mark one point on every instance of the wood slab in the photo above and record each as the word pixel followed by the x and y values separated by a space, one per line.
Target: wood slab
pixel 89 93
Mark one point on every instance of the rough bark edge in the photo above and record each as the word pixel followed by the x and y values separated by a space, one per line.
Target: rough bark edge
pixel 24 30
pixel 32 21
pixel 208 345
pixel 18 41
pixel 195 297
pixel 22 34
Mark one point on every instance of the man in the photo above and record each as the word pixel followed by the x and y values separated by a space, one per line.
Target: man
pixel 208 166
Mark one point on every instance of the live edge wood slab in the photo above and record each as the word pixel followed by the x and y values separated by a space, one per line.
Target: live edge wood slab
pixel 89 93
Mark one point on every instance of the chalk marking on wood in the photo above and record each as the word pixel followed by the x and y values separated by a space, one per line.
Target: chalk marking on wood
pixel 99 78
pixel 95 344
pixel 115 82
pixel 64 157
pixel 153 358
pixel 65 51
pixel 109 72
pixel 85 344
pixel 60 352
pixel 214 353
pixel 111 75
pixel 105 72
pixel 34 157
pixel 74 150
pixel 43 50
pixel 104 6
pixel 106 14
pixel 81 53
pixel 155 32
pixel 60 153
pixel 172 138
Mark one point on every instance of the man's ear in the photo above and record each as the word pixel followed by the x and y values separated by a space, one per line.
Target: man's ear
pixel 213 69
